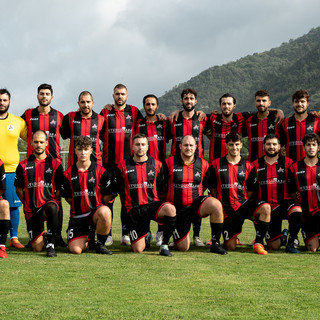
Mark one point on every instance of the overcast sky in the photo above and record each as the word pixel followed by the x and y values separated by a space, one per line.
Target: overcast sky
pixel 150 46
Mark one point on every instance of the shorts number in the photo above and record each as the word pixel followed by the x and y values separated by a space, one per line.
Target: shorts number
pixel 267 236
pixel 70 234
pixel 30 235
pixel 175 234
pixel 226 235
pixel 133 234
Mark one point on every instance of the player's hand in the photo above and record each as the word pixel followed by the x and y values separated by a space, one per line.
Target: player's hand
pixel 314 113
pixel 162 117
pixel 279 117
pixel 201 115
pixel 108 106
pixel 215 112
pixel 174 116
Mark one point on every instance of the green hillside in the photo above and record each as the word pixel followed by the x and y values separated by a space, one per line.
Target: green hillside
pixel 292 66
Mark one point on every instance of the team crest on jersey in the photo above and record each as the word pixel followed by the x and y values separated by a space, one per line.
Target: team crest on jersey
pixel 49 170
pixel 92 180
pixel 280 170
pixel 234 125
pixel 242 174
pixel 159 126
pixel 310 128
pixel 53 122
pixel 198 174
pixel 10 127
pixel 94 126
pixel 151 173
pixel 128 117
pixel 196 127
pixel 271 127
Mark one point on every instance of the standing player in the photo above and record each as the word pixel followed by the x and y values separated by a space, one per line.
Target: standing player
pixel 120 123
pixel 232 182
pixel 11 128
pixel 84 122
pixel 139 179
pixel 4 214
pixel 37 182
pixel 304 180
pixel 188 177
pixel 299 124
pixel 188 123
pixel 272 176
pixel 260 124
pixel 45 118
pixel 86 186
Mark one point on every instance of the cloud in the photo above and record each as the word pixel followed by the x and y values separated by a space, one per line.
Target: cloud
pixel 150 46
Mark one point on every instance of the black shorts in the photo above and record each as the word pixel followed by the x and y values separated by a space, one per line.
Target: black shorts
pixel 79 226
pixel 35 224
pixel 233 223
pixel 277 215
pixel 185 217
pixel 310 226
pixel 139 219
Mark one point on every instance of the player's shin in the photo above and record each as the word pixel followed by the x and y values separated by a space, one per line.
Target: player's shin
pixel 295 220
pixel 168 227
pixel 4 228
pixel 262 228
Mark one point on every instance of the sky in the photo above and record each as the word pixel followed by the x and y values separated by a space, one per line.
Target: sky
pixel 150 46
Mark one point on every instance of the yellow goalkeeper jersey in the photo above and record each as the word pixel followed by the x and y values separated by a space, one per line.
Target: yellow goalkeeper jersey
pixel 11 128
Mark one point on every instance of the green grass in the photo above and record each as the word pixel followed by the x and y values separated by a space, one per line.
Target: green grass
pixel 192 285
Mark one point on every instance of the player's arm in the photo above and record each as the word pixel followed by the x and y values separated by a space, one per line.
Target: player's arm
pixel 24 130
pixel 108 106
pixel 279 115
pixel 20 194
pixel 252 183
pixel 106 187
pixel 213 182
pixel 19 183
pixel 293 190
pixel 65 130
pixel 58 179
pixel 66 191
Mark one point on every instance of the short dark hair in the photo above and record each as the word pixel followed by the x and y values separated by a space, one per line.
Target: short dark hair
pixel 120 86
pixel 139 136
pixel 187 91
pixel 5 91
pixel 311 137
pixel 262 93
pixel 233 136
pixel 84 93
pixel 270 136
pixel 150 96
pixel 299 94
pixel 45 86
pixel 42 131
pixel 227 95
pixel 83 142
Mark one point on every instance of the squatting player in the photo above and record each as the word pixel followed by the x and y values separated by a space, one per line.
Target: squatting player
pixel 272 177
pixel 188 177
pixel 139 180
pixel 232 182
pixel 304 182
pixel 4 214
pixel 38 184
pixel 11 128
pixel 87 186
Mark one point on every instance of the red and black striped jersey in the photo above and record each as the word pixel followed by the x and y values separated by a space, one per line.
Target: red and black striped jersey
pixel 3 184
pixel 232 182
pixel 306 180
pixel 218 129
pixel 156 133
pixel 293 131
pixel 86 188
pixel 118 133
pixel 74 126
pixel 272 180
pixel 185 182
pixel 49 123
pixel 182 127
pixel 139 183
pixel 40 179
pixel 256 129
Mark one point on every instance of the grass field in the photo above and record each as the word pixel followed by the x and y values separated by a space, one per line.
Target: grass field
pixel 192 285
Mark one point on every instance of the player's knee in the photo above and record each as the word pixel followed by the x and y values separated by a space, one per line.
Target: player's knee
pixel 230 245
pixel 274 245
pixel 170 210
pixel 265 213
pixel 184 247
pixel 75 250
pixel 4 209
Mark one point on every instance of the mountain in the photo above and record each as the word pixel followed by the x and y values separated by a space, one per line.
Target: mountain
pixel 292 66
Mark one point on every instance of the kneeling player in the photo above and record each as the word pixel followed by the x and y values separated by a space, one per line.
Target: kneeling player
pixel 232 182
pixel 37 182
pixel 188 177
pixel 4 214
pixel 304 179
pixel 272 177
pixel 86 187
pixel 139 180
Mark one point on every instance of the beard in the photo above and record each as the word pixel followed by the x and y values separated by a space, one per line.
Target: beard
pixel 188 109
pixel 5 110
pixel 271 155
